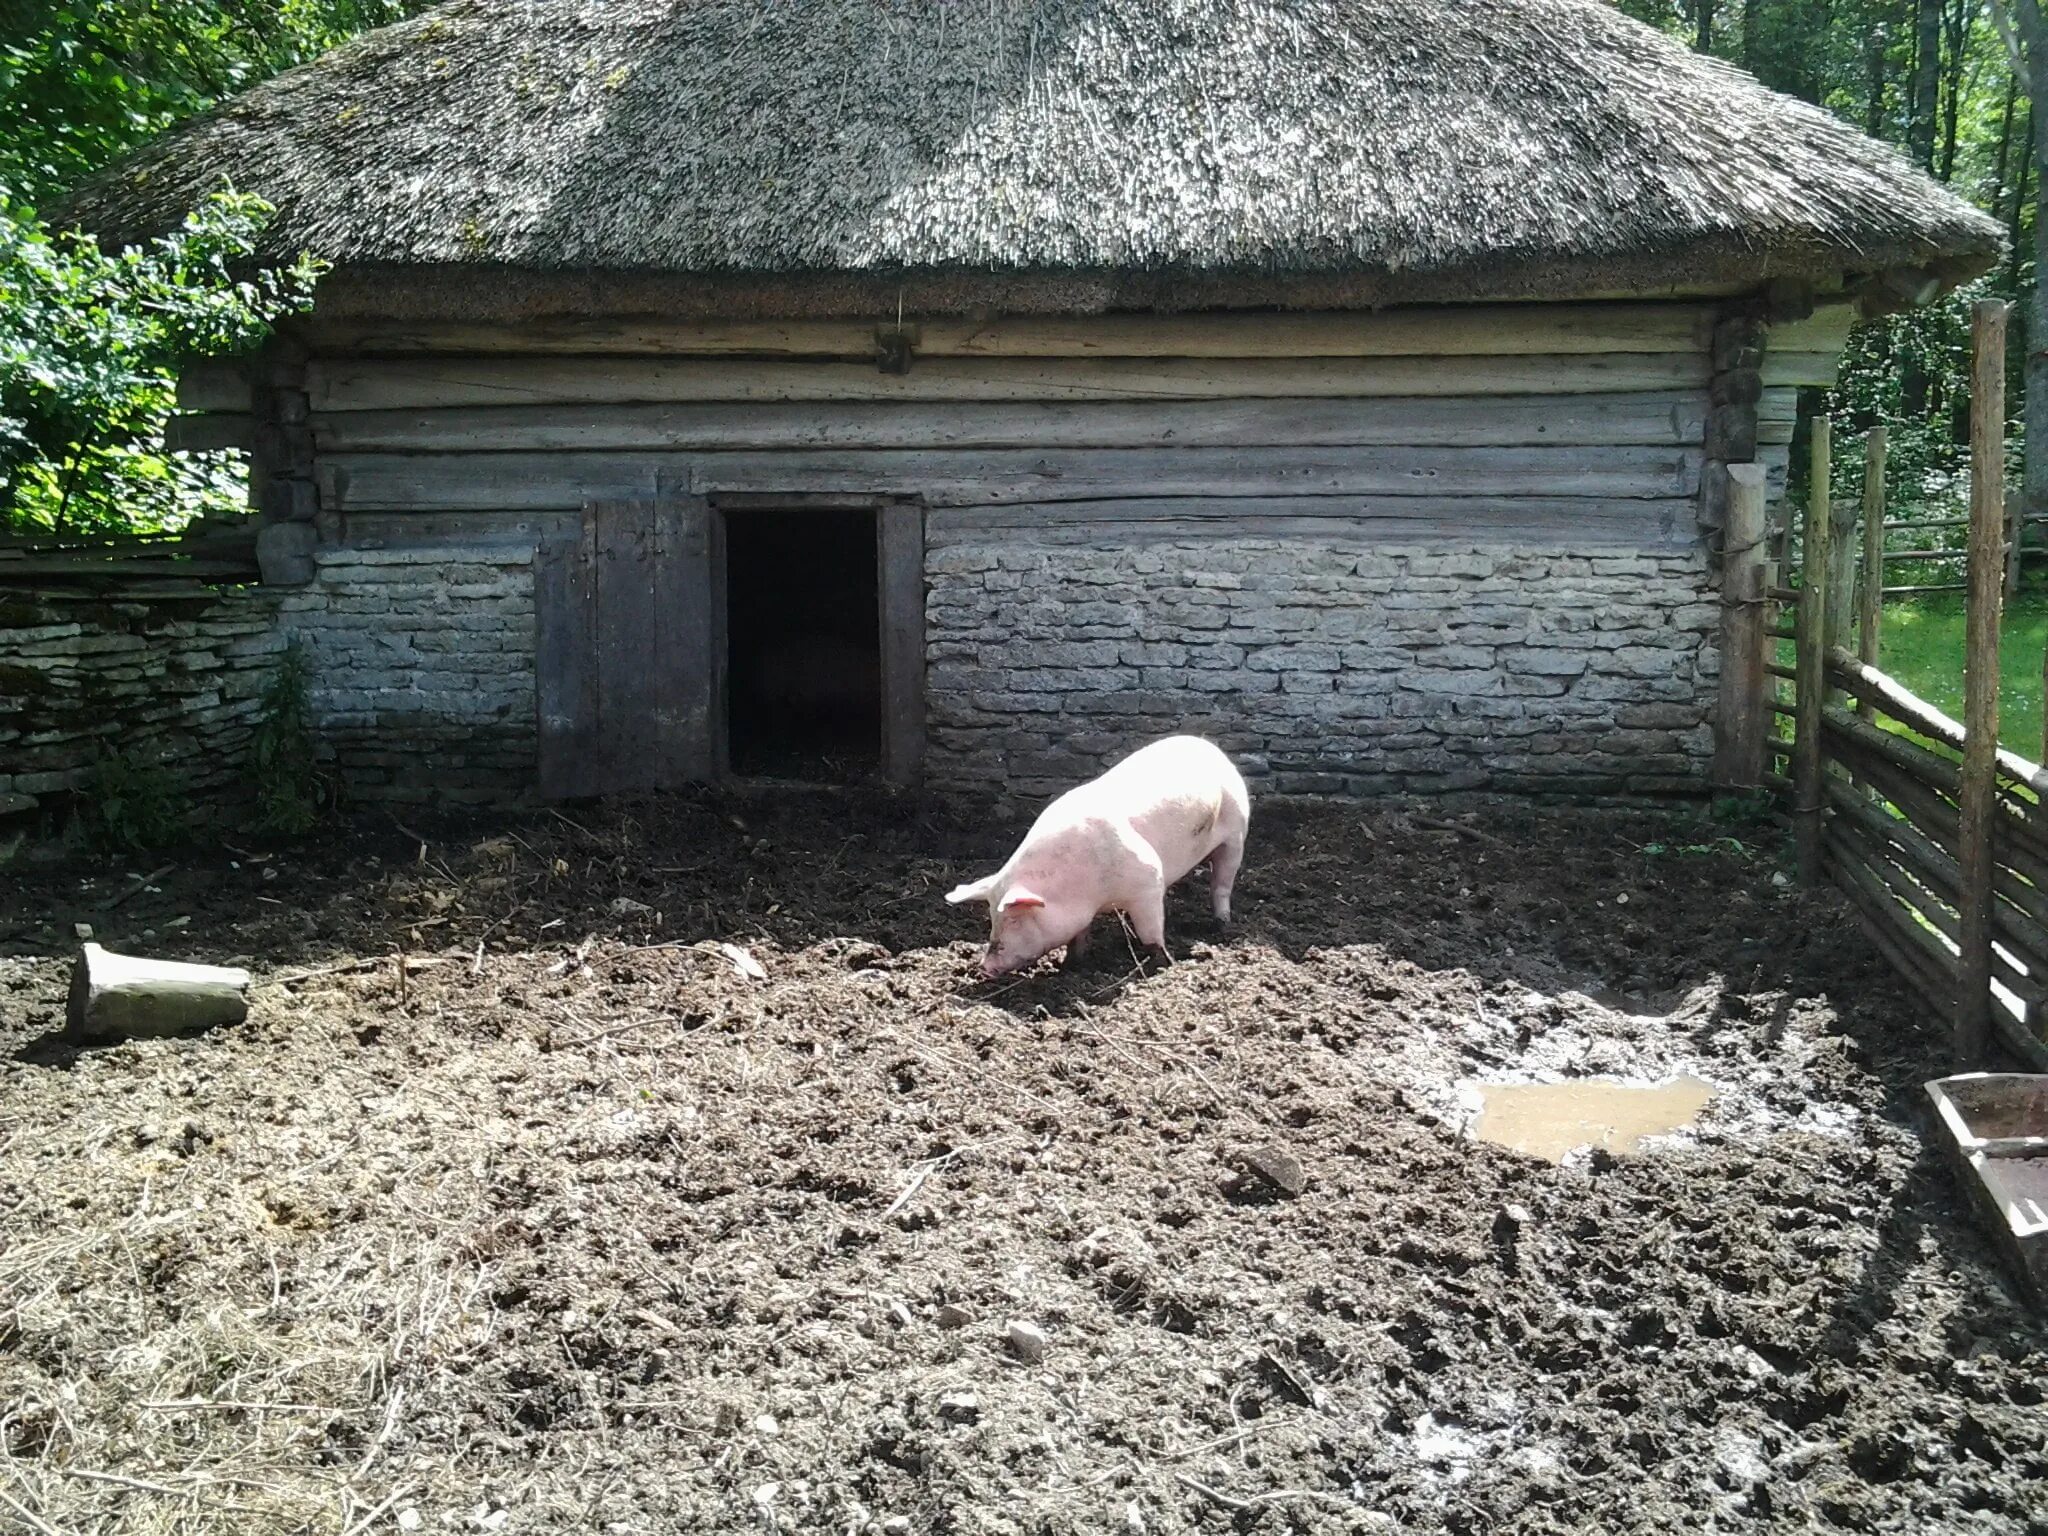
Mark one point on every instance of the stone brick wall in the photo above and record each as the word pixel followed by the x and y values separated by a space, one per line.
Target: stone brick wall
pixel 168 673
pixel 1329 669
pixel 422 669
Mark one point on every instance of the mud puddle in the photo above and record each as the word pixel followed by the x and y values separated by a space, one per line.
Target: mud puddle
pixel 1553 1120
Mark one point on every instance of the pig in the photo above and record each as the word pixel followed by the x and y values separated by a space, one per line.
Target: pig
pixel 1115 844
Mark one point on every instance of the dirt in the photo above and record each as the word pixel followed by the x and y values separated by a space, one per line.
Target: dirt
pixel 571 1223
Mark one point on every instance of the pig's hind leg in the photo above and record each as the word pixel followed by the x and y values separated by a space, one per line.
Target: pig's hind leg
pixel 1223 866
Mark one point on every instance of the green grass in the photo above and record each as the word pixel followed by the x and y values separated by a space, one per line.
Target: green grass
pixel 1922 646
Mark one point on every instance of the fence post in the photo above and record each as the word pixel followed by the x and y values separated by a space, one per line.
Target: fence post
pixel 1980 681
pixel 1810 685
pixel 1742 712
pixel 1875 446
pixel 2012 540
pixel 1842 560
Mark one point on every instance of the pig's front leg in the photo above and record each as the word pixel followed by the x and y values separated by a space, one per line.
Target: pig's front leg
pixel 1077 946
pixel 1148 920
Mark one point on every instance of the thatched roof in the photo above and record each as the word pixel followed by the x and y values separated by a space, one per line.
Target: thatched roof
pixel 1384 147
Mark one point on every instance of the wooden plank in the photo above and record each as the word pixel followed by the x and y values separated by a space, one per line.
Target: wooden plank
pixel 1470 330
pixel 441 482
pixel 632 651
pixel 686 649
pixel 1818 369
pixel 461 532
pixel 1825 330
pixel 1931 958
pixel 1911 710
pixel 217 384
pixel 1980 679
pixel 899 549
pixel 1809 804
pixel 210 433
pixel 1739 715
pixel 1670 418
pixel 363 385
pixel 565 677
pixel 91 565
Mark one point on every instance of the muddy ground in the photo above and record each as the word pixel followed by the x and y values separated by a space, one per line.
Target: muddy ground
pixel 571 1224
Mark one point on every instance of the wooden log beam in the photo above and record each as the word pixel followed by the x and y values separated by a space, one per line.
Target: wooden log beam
pixel 116 997
pixel 1974 1001
pixel 414 383
pixel 1656 419
pixel 210 433
pixel 1876 446
pixel 950 478
pixel 1740 715
pixel 1490 330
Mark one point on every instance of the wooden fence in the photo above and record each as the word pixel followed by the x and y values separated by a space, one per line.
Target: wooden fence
pixel 1938 836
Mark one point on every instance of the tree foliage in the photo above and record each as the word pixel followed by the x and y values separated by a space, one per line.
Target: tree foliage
pixel 89 340
pixel 1934 78
pixel 84 80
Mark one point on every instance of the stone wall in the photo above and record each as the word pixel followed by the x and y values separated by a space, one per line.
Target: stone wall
pixel 168 673
pixel 1324 668
pixel 422 669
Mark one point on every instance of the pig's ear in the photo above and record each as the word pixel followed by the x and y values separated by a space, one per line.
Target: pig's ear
pixel 974 890
pixel 1019 901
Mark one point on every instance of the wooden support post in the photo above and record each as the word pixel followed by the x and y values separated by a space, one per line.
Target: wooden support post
pixel 1875 447
pixel 1810 684
pixel 2012 540
pixel 1980 681
pixel 1742 714
pixel 1843 555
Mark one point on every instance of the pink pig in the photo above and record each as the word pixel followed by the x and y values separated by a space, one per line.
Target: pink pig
pixel 1114 845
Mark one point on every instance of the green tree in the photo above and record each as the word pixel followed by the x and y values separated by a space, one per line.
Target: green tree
pixel 88 340
pixel 88 343
pixel 82 81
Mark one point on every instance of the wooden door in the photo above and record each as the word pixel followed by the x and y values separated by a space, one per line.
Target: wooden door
pixel 626 662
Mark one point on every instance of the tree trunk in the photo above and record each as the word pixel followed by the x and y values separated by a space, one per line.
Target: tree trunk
pixel 1873 116
pixel 2004 162
pixel 2033 27
pixel 1926 82
pixel 1752 21
pixel 1957 26
pixel 1703 25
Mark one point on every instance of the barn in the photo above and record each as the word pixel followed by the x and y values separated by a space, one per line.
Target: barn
pixel 957 391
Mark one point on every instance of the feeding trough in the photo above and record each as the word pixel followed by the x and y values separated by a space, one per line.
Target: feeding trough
pixel 1995 1125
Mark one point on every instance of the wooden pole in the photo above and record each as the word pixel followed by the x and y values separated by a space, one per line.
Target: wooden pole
pixel 1875 447
pixel 1980 680
pixel 1743 712
pixel 1810 681
pixel 1844 554
pixel 2012 540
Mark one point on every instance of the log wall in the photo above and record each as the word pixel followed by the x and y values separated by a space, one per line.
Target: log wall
pixel 1459 490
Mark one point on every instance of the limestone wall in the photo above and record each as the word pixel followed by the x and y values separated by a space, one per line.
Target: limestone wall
pixel 1326 667
pixel 167 673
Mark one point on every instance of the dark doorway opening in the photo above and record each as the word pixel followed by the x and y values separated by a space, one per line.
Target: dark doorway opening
pixel 803 634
